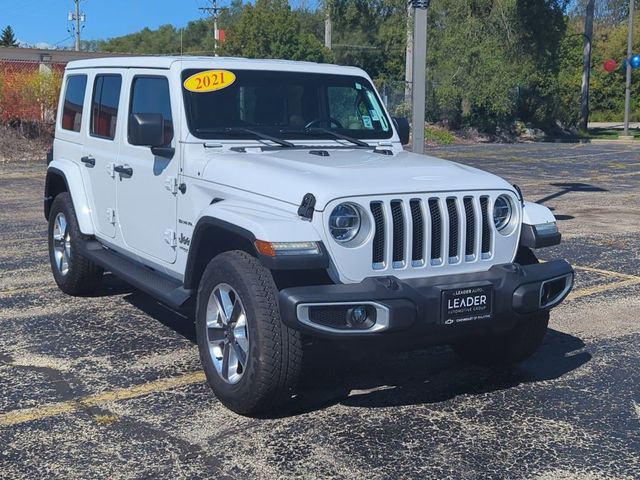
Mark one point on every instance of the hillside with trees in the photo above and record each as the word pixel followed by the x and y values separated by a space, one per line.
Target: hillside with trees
pixel 490 62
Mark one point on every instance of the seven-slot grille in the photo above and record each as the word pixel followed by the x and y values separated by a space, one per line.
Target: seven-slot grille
pixel 431 231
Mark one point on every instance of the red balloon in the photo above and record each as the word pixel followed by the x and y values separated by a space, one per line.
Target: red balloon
pixel 610 65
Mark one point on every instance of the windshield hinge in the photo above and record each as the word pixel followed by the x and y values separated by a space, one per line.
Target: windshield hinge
pixel 171 184
pixel 307 206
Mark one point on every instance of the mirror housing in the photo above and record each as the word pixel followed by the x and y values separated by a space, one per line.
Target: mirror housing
pixel 402 126
pixel 146 129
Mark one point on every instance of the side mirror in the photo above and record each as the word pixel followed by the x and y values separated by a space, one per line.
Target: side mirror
pixel 402 126
pixel 146 129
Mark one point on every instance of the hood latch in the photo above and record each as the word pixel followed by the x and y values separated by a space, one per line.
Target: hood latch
pixel 307 206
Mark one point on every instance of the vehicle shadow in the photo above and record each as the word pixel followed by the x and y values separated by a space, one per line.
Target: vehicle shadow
pixel 376 375
pixel 362 376
pixel 178 322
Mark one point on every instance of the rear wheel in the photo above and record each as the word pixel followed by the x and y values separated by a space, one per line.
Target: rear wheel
pixel 251 359
pixel 512 346
pixel 74 274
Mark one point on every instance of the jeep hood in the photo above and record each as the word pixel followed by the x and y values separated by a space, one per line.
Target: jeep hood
pixel 288 175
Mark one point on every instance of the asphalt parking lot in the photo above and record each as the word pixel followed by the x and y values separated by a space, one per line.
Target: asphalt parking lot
pixel 111 386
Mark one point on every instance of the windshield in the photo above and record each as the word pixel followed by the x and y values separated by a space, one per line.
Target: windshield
pixel 243 103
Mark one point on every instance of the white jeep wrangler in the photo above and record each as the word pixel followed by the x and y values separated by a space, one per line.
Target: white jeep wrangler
pixel 275 197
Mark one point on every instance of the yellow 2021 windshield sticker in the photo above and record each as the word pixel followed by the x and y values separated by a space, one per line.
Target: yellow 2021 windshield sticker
pixel 209 81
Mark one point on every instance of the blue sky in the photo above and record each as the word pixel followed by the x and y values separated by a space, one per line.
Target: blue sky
pixel 45 21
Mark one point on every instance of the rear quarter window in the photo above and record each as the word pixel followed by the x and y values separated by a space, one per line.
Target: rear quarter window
pixel 72 109
pixel 104 106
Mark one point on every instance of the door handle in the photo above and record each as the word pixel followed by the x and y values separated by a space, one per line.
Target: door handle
pixel 123 170
pixel 88 161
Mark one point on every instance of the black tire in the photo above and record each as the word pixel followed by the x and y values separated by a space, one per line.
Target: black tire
pixel 512 346
pixel 82 276
pixel 275 350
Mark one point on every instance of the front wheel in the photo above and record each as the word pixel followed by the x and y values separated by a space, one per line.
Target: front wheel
pixel 251 359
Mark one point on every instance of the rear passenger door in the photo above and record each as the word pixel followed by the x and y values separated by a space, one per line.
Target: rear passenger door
pixel 147 199
pixel 100 152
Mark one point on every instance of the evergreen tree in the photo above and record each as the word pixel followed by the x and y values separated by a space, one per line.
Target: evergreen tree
pixel 7 38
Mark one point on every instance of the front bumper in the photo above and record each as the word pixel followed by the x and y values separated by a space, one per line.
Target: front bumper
pixel 415 305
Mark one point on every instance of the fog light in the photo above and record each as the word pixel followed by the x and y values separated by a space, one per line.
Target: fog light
pixel 359 315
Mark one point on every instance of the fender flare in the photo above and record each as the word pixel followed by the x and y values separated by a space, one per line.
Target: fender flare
pixel 229 220
pixel 72 177
pixel 535 215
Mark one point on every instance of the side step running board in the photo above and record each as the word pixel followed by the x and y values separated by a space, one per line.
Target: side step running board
pixel 164 289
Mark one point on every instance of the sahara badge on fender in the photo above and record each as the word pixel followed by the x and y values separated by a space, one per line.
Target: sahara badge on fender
pixel 209 81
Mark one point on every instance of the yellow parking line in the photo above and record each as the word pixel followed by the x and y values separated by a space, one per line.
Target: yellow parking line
pixel 38 413
pixel 585 292
pixel 607 273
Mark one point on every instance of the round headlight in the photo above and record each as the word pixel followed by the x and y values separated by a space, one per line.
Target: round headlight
pixel 502 211
pixel 344 222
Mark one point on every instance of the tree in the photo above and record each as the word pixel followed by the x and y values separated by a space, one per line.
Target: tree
pixel 371 34
pixel 7 38
pixel 270 29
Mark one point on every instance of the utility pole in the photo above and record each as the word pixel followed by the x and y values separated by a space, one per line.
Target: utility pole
pixel 586 66
pixel 78 18
pixel 627 93
pixel 214 11
pixel 419 71
pixel 328 27
pixel 408 70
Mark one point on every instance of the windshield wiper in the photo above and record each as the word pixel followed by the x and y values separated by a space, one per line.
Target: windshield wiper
pixel 241 130
pixel 353 140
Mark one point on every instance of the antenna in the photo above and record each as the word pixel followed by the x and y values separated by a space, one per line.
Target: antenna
pixel 214 11
pixel 77 17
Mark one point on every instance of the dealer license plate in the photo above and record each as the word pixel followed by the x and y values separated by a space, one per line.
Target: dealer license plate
pixel 468 304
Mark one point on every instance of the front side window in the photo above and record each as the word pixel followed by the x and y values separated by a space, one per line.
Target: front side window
pixel 287 105
pixel 74 102
pixel 151 95
pixel 104 105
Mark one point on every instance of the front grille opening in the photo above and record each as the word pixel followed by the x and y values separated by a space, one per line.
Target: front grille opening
pixel 470 240
pixel 399 228
pixel 453 227
pixel 417 247
pixel 436 229
pixel 378 237
pixel 431 231
pixel 486 230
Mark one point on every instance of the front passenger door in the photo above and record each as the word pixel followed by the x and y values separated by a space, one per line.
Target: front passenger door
pixel 147 199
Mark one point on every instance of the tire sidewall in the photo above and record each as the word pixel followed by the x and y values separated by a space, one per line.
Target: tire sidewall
pixel 222 270
pixel 62 204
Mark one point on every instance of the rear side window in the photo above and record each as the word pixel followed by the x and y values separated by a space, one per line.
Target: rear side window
pixel 151 95
pixel 104 106
pixel 74 102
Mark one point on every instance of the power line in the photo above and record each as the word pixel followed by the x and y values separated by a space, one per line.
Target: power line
pixel 79 18
pixel 214 11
